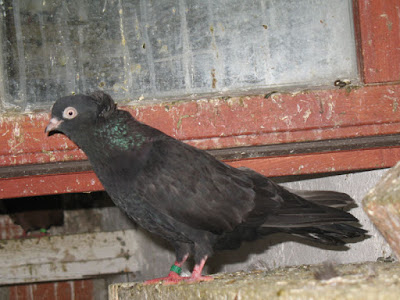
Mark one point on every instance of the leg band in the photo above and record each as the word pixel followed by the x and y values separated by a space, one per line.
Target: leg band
pixel 176 269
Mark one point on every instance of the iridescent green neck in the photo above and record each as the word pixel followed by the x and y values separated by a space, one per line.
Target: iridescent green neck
pixel 119 136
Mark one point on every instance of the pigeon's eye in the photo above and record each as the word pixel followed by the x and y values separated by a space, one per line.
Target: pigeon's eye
pixel 70 113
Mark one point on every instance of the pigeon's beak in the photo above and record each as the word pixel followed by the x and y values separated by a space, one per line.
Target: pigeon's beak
pixel 53 125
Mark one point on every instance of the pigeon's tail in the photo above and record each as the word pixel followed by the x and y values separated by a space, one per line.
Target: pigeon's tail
pixel 325 198
pixel 315 215
pixel 335 234
pixel 312 215
pixel 331 234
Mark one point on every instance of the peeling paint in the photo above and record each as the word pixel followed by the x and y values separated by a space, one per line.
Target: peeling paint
pixel 277 100
pixel 299 109
pixel 329 113
pixel 306 115
pixel 389 24
pixel 395 105
pixel 233 102
pixel 287 120
pixel 179 123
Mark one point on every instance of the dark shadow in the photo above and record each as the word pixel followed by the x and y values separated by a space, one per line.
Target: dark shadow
pixel 42 212
pixel 225 257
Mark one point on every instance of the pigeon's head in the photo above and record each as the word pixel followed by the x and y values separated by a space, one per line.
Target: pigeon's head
pixel 73 113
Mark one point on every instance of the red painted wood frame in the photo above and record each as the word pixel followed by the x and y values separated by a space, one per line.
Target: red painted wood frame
pixel 371 109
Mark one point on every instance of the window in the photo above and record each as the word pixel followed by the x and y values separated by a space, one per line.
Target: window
pixel 171 49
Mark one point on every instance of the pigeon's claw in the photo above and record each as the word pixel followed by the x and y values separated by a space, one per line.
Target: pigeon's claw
pixel 172 278
pixel 196 273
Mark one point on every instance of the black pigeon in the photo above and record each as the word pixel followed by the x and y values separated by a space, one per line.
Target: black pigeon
pixel 184 194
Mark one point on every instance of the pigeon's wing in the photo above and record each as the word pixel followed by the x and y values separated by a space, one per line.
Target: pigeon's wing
pixel 139 163
pixel 193 187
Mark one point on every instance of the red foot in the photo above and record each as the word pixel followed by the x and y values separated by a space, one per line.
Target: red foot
pixel 196 274
pixel 172 278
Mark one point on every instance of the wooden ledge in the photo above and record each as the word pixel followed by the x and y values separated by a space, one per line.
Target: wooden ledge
pixel 351 281
pixel 54 258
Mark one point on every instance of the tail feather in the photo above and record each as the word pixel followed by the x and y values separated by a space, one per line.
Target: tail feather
pixel 307 217
pixel 333 234
pixel 326 198
pixel 312 215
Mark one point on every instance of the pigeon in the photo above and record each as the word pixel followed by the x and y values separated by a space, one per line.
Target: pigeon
pixel 185 195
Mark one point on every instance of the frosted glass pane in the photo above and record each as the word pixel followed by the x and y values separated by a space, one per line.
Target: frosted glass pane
pixel 171 48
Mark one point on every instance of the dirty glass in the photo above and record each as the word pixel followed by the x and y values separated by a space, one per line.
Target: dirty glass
pixel 144 50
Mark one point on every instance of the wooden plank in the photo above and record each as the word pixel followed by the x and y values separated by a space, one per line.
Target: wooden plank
pixel 49 185
pixel 358 143
pixel 45 169
pixel 78 256
pixel 379 25
pixel 365 142
pixel 368 280
pixel 322 162
pixel 312 163
pixel 225 123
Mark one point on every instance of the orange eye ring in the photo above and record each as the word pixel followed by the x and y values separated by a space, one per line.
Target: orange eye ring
pixel 70 113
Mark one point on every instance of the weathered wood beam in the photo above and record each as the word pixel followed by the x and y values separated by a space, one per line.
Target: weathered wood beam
pixel 299 164
pixel 56 258
pixel 237 153
pixel 227 123
pixel 348 281
pixel 378 27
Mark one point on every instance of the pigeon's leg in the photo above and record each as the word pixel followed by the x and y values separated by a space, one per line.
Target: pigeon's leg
pixel 196 273
pixel 173 277
pixel 202 251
